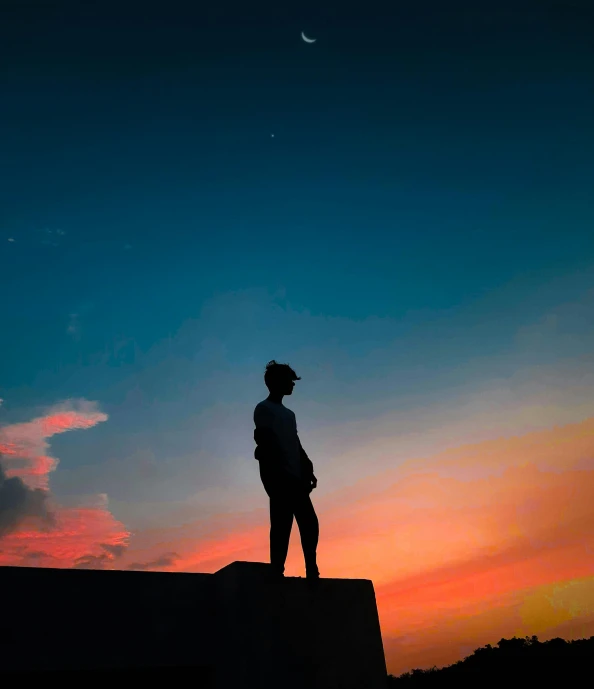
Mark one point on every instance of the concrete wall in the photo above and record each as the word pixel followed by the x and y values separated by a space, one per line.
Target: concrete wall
pixel 234 629
pixel 55 619
pixel 287 635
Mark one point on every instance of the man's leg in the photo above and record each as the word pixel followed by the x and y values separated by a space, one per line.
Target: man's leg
pixel 309 530
pixel 281 523
pixel 281 517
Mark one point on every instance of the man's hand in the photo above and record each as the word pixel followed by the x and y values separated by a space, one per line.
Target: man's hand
pixel 314 483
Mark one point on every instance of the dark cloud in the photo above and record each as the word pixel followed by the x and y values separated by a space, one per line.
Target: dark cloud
pixel 114 550
pixel 165 560
pixel 18 502
pixel 103 560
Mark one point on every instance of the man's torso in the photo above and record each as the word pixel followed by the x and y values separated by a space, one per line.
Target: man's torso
pixel 282 422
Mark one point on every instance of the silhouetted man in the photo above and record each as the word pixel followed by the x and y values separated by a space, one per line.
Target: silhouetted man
pixel 286 472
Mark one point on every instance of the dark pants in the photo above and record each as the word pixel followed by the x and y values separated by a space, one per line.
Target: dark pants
pixel 289 497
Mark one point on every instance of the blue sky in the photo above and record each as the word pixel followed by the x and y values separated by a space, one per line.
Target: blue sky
pixel 421 162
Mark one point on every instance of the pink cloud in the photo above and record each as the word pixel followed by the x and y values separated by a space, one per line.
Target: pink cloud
pixel 24 445
pixel 37 530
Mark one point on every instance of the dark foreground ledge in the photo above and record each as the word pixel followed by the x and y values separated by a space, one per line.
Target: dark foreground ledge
pixel 228 630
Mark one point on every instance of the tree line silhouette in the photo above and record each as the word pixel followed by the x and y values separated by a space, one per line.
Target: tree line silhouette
pixel 514 662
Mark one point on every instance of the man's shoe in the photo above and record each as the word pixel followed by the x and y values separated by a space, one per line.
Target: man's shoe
pixel 312 573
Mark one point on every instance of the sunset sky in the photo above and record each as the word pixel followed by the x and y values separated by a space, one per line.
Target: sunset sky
pixel 402 211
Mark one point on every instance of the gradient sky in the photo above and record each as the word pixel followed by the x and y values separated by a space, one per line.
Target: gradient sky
pixel 402 211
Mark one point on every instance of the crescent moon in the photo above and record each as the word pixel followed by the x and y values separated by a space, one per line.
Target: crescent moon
pixel 306 39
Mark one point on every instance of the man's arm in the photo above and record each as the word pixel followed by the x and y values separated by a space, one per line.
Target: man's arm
pixel 307 465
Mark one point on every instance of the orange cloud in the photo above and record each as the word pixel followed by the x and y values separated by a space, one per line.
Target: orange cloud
pixel 84 536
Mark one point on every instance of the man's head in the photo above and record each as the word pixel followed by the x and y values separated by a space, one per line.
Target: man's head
pixel 279 378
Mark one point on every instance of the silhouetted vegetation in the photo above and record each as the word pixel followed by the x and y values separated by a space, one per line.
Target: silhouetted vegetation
pixel 513 663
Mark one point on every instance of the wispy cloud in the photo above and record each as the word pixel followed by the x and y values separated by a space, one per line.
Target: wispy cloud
pixel 74 326
pixel 52 237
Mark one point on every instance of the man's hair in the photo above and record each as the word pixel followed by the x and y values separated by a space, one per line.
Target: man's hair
pixel 275 372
